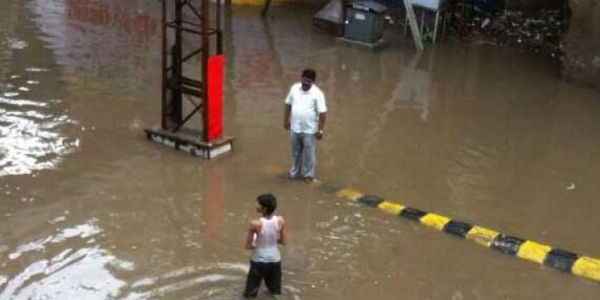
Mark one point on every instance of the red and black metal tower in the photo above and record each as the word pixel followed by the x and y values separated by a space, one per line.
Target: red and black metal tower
pixel 190 36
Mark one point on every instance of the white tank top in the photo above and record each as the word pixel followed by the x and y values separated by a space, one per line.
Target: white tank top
pixel 266 241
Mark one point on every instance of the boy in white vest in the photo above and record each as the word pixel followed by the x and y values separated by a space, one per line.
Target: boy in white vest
pixel 264 235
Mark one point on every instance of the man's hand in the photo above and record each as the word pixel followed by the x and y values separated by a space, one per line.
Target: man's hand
pixel 319 134
pixel 322 117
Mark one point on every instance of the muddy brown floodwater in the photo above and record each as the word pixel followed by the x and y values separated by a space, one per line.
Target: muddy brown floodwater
pixel 91 210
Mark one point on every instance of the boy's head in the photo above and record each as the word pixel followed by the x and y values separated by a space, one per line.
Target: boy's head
pixel 268 203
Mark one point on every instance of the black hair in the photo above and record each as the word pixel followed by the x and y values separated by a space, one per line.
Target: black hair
pixel 309 73
pixel 268 202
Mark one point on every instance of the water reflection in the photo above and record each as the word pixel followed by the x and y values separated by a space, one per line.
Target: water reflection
pixel 30 133
pixel 32 121
pixel 413 89
pixel 78 269
pixel 208 280
pixel 30 137
pixel 214 203
pixel 81 231
pixel 100 37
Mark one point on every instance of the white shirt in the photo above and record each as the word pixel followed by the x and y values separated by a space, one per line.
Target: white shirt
pixel 306 107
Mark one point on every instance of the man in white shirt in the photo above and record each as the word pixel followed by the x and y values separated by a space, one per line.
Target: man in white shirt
pixel 304 116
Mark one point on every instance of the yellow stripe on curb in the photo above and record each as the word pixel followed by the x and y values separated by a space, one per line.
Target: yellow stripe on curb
pixel 349 193
pixel 533 251
pixel 482 236
pixel 587 267
pixel 391 207
pixel 435 221
pixel 584 266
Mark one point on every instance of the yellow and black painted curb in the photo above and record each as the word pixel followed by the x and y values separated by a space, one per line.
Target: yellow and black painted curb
pixel 556 258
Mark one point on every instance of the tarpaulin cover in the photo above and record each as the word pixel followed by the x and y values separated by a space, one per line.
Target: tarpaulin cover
pixel 332 12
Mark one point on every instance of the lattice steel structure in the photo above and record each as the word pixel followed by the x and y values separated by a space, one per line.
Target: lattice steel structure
pixel 176 84
pixel 186 22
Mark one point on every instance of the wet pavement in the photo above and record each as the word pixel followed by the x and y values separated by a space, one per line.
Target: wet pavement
pixel 90 209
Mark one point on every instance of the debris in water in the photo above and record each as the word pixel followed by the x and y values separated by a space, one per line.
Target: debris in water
pixel 537 32
pixel 571 186
pixel 485 23
pixel 17 44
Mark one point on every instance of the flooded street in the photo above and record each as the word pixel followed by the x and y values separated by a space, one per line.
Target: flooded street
pixel 89 209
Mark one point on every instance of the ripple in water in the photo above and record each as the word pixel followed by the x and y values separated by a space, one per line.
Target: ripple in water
pixel 17 44
pixel 30 136
pixel 207 281
pixel 57 267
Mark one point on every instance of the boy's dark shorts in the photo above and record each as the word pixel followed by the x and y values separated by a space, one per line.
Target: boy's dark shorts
pixel 270 272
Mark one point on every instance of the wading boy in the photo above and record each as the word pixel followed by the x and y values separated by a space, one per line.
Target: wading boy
pixel 264 234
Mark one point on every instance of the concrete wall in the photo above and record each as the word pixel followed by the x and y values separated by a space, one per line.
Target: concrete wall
pixel 582 44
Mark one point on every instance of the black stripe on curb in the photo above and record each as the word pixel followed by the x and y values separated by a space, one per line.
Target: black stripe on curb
pixel 560 259
pixel 458 228
pixel 370 200
pixel 412 214
pixel 507 244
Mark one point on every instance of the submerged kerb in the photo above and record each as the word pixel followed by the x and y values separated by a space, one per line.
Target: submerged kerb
pixel 555 258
